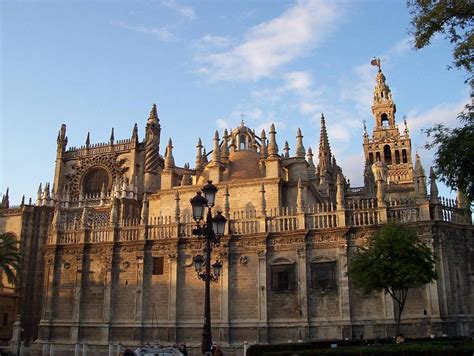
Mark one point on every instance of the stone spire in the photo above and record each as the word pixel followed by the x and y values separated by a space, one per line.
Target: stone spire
pixel 152 149
pixel 419 178
pixel 88 140
pixel 135 133
pixel 38 199
pixel 272 144
pixel 433 188
pixel 263 147
pixel 286 150
pixel 61 140
pixel 169 159
pixel 204 155
pixel 225 147
pixel 216 152
pixel 153 119
pixel 324 148
pixel 300 151
pixel 6 199
pixel 112 137
pixel 199 157
pixel 311 166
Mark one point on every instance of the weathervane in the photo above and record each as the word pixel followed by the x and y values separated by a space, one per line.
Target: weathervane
pixel 376 62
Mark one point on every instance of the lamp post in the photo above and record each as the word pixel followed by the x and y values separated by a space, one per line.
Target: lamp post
pixel 211 230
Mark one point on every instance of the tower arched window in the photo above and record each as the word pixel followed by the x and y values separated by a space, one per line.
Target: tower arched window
pixel 397 157
pixel 384 120
pixel 387 154
pixel 404 156
pixel 94 179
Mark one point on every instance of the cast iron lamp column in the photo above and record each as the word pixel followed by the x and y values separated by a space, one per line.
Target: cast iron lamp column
pixel 211 231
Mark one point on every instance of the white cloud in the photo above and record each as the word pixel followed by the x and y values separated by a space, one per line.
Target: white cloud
pixel 269 45
pixel 222 124
pixel 208 41
pixel 162 33
pixel 444 113
pixel 184 10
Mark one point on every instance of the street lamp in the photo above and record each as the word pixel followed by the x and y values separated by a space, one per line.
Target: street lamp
pixel 211 230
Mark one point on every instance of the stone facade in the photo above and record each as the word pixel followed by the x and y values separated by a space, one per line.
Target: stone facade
pixel 110 244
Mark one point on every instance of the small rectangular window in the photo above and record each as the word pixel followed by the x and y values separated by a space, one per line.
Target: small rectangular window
pixel 158 263
pixel 323 276
pixel 282 278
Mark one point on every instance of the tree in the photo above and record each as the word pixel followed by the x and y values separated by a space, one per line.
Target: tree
pixel 10 256
pixel 453 18
pixel 394 261
pixel 454 158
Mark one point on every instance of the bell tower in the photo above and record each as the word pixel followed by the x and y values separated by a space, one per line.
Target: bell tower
pixel 387 145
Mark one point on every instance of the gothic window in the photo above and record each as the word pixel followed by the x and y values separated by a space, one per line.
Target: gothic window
pixel 371 157
pixel 158 264
pixel 404 156
pixel 282 277
pixel 323 275
pixel 387 154
pixel 94 179
pixel 397 156
pixel 242 145
pixel 384 120
pixel 377 156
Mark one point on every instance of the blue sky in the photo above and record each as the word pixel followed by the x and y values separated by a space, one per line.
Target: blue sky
pixel 94 65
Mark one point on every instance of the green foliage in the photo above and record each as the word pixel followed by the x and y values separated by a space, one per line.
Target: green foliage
pixel 395 261
pixel 454 159
pixel 453 18
pixel 10 257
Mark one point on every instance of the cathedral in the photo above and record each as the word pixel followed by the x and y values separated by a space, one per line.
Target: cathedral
pixel 109 246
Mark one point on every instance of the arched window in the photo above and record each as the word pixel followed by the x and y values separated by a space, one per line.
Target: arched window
pixel 242 142
pixel 404 156
pixel 397 157
pixel 387 154
pixel 371 157
pixel 94 180
pixel 377 156
pixel 384 120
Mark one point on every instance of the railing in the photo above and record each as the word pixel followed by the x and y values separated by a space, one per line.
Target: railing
pixel 99 235
pixel 361 212
pixel 158 232
pixel 69 237
pixel 244 222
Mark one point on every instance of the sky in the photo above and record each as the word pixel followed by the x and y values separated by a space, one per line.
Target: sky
pixel 94 65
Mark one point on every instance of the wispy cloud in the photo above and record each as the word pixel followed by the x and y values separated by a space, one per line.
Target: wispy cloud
pixel 162 33
pixel 445 113
pixel 269 45
pixel 218 42
pixel 184 10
